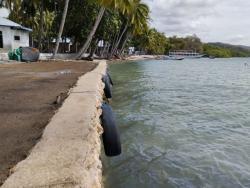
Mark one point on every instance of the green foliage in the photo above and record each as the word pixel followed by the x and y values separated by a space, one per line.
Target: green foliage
pixel 80 19
pixel 187 43
pixel 225 50
pixel 152 42
pixel 216 51
pixel 138 17
pixel 109 26
pixel 48 20
pixel 157 42
pixel 123 19
pixel 129 17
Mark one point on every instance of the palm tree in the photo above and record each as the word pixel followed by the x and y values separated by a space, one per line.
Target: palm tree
pixel 31 7
pixel 104 4
pixel 41 24
pixel 1 3
pixel 6 3
pixel 140 17
pixel 137 19
pixel 15 9
pixel 61 27
pixel 92 33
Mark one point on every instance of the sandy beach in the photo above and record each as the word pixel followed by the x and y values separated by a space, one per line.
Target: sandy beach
pixel 141 57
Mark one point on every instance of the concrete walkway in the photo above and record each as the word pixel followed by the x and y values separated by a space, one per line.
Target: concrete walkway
pixel 68 152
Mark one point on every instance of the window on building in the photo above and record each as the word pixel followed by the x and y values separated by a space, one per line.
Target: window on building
pixel 1 39
pixel 17 37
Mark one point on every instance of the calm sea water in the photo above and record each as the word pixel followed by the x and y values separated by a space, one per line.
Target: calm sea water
pixel 182 124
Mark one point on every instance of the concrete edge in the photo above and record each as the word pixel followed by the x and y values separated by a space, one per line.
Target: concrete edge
pixel 68 154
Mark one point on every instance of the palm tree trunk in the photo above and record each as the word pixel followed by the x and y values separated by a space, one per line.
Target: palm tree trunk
pixel 112 46
pixel 41 25
pixel 124 44
pixel 65 10
pixel 91 34
pixel 93 49
pixel 119 40
pixel 103 49
pixel 115 41
pixel 7 4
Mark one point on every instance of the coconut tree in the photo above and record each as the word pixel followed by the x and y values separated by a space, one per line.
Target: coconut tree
pixel 6 3
pixel 49 17
pixel 65 10
pixel 142 33
pixel 113 4
pixel 137 21
pixel 31 8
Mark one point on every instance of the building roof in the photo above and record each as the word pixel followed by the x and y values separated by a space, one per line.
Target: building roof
pixel 8 23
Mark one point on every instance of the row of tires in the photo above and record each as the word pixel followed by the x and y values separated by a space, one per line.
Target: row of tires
pixel 110 136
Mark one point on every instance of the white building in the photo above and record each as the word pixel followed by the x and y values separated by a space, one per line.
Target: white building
pixel 13 35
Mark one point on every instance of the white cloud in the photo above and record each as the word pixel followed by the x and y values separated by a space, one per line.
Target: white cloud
pixel 211 20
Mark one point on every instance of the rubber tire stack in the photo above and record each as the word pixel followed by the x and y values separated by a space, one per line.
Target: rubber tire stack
pixel 110 136
pixel 107 89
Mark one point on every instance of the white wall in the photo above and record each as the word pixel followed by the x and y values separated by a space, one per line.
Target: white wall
pixel 4 12
pixel 8 38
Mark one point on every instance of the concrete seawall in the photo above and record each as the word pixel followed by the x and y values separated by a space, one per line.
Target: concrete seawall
pixel 68 153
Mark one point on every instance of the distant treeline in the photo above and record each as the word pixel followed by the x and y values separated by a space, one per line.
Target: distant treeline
pixel 225 50
pixel 154 42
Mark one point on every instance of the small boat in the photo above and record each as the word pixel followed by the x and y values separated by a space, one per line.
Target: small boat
pixel 211 57
pixel 187 54
pixel 173 58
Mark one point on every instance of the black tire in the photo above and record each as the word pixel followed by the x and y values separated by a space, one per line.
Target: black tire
pixel 107 88
pixel 110 136
pixel 110 79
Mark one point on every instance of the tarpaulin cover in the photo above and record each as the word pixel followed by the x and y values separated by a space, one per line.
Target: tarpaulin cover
pixel 29 54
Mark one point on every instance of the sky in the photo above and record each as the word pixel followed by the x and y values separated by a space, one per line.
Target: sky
pixel 212 20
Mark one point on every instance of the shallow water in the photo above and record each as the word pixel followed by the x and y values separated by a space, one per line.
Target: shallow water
pixel 182 124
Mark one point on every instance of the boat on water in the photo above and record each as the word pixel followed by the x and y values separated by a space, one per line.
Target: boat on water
pixel 186 54
pixel 211 57
pixel 173 58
